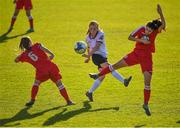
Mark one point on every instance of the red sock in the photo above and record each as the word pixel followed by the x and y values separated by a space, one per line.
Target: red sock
pixel 146 96
pixel 105 71
pixel 12 22
pixel 34 92
pixel 64 94
pixel 31 23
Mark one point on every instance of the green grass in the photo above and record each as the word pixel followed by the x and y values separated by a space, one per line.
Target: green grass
pixel 58 24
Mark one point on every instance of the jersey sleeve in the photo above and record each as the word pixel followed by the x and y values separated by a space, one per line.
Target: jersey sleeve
pixel 137 31
pixel 87 40
pixel 22 57
pixel 37 45
pixel 100 38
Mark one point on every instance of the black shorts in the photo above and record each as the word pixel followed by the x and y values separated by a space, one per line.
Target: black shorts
pixel 98 60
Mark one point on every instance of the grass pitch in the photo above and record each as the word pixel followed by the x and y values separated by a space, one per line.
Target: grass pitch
pixel 58 24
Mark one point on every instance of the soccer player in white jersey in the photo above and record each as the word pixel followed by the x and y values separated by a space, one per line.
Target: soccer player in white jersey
pixel 97 50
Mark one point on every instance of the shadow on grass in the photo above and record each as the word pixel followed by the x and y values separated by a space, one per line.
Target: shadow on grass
pixel 23 114
pixel 138 126
pixel 62 116
pixel 4 37
pixel 178 122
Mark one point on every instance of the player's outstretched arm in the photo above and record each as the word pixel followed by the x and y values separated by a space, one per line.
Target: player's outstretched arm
pixel 98 44
pixel 159 10
pixel 132 38
pixel 47 51
pixel 86 56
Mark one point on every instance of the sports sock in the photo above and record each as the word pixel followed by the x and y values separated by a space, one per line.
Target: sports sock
pixel 13 21
pixel 147 93
pixel 34 92
pixel 95 86
pixel 31 22
pixel 118 76
pixel 106 70
pixel 64 93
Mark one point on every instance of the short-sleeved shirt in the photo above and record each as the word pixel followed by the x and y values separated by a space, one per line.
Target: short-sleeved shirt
pixel 98 38
pixel 36 57
pixel 142 54
pixel 45 69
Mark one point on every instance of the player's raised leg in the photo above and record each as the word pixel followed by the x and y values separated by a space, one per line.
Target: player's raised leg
pixel 109 69
pixel 34 92
pixel 112 68
pixel 119 77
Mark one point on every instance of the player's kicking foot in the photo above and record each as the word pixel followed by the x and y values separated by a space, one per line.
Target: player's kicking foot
pixel 126 81
pixel 93 75
pixel 147 110
pixel 30 103
pixel 70 103
pixel 90 96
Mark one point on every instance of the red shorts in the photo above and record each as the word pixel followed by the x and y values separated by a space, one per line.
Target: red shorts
pixel 27 4
pixel 51 72
pixel 140 57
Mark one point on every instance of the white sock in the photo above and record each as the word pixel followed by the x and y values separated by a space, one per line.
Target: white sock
pixel 95 86
pixel 118 76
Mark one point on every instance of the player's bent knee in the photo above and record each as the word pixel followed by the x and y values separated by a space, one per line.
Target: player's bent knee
pixel 60 86
pixel 29 17
pixel 37 83
pixel 147 87
pixel 58 82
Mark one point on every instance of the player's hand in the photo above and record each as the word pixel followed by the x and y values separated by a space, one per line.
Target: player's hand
pixel 159 9
pixel 85 55
pixel 86 60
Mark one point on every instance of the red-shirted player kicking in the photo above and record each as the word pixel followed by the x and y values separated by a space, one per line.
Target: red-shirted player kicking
pixel 35 54
pixel 20 4
pixel 142 54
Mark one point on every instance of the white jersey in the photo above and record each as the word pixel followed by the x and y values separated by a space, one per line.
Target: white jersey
pixel 92 43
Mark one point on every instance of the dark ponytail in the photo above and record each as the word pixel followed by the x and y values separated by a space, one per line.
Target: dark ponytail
pixel 25 43
pixel 151 25
pixel 157 23
pixel 154 25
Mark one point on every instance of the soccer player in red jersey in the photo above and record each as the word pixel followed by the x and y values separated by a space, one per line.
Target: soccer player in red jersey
pixel 20 4
pixel 35 54
pixel 142 54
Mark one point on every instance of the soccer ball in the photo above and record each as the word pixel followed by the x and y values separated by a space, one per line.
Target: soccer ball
pixel 80 47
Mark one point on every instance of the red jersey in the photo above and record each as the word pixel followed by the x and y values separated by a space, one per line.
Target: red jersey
pixel 139 33
pixel 37 57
